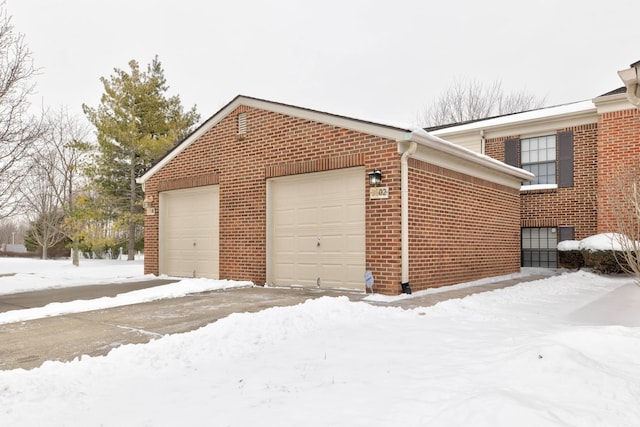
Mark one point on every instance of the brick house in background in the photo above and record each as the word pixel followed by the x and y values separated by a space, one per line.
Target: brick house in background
pixel 576 152
pixel 279 195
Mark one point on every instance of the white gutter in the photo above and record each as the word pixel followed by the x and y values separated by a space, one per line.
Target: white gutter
pixel 404 214
pixel 631 79
pixel 408 146
pixel 427 140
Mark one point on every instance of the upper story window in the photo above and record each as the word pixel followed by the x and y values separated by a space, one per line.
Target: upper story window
pixel 549 158
pixel 538 156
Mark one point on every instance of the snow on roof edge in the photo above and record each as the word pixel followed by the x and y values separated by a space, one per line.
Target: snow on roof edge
pixel 541 113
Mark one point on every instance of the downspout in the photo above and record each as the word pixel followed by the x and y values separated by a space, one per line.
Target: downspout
pixel 404 214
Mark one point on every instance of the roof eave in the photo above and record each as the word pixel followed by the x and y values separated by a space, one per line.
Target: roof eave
pixel 431 141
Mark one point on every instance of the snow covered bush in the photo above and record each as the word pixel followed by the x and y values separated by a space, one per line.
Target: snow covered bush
pixel 569 255
pixel 605 253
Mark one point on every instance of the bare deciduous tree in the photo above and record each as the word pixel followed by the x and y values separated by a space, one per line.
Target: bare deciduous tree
pixel 624 202
pixel 53 182
pixel 473 100
pixel 43 210
pixel 18 129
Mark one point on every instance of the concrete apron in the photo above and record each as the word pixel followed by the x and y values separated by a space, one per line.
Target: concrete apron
pixel 63 338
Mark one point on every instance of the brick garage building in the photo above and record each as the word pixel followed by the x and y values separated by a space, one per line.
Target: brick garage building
pixel 279 195
pixel 577 152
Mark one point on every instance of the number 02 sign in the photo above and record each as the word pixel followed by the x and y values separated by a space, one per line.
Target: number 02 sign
pixel 379 193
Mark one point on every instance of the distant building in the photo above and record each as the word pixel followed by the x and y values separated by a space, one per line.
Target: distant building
pixel 18 248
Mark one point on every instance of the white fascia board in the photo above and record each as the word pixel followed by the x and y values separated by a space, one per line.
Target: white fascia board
pixel 372 128
pixel 381 130
pixel 613 103
pixel 528 123
pixel 463 160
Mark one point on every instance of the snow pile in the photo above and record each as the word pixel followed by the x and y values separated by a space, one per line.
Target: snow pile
pixel 599 242
pixel 602 242
pixel 547 353
pixel 569 245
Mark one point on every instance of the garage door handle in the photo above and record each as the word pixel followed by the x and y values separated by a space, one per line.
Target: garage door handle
pixel 318 244
pixel 194 243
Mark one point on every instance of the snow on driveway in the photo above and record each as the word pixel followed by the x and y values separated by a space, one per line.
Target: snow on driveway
pixel 554 352
pixel 34 275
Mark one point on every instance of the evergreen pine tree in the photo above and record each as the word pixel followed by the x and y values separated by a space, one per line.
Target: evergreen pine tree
pixel 136 124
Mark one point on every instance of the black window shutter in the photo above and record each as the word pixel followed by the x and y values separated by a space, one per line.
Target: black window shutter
pixel 565 159
pixel 511 152
pixel 566 233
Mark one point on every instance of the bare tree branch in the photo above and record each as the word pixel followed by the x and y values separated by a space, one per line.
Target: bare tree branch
pixel 473 100
pixel 624 202
pixel 18 129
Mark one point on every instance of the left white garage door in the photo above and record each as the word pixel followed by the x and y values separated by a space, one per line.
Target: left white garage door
pixel 189 232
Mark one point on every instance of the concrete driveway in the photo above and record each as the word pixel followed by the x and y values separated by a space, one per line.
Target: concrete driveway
pixel 28 344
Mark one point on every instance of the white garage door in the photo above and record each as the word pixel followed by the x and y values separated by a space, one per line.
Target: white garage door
pixel 189 232
pixel 317 229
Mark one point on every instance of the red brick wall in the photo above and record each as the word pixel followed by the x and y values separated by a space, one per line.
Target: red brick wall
pixel 573 206
pixel 277 145
pixel 618 154
pixel 462 228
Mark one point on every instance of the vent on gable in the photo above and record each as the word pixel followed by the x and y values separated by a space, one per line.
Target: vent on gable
pixel 242 123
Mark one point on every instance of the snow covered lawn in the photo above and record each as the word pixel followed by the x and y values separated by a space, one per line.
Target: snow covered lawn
pixel 557 352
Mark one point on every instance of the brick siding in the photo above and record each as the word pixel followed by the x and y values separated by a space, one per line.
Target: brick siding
pixel 618 154
pixel 461 228
pixel 574 206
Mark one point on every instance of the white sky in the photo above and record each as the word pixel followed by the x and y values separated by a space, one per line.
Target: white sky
pixel 378 60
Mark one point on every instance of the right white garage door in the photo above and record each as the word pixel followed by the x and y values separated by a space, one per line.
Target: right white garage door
pixel 317 229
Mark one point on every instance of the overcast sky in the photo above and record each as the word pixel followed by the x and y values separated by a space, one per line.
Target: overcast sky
pixel 376 60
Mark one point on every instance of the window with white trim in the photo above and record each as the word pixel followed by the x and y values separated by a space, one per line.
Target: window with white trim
pixel 538 156
pixel 549 158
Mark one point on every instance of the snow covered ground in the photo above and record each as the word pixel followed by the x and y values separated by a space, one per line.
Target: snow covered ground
pixel 52 274
pixel 556 352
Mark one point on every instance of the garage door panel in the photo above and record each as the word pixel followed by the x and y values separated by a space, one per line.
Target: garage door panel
pixel 333 244
pixel 285 217
pixel 354 273
pixel 189 241
pixel 355 243
pixel 306 217
pixel 285 244
pixel 325 206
